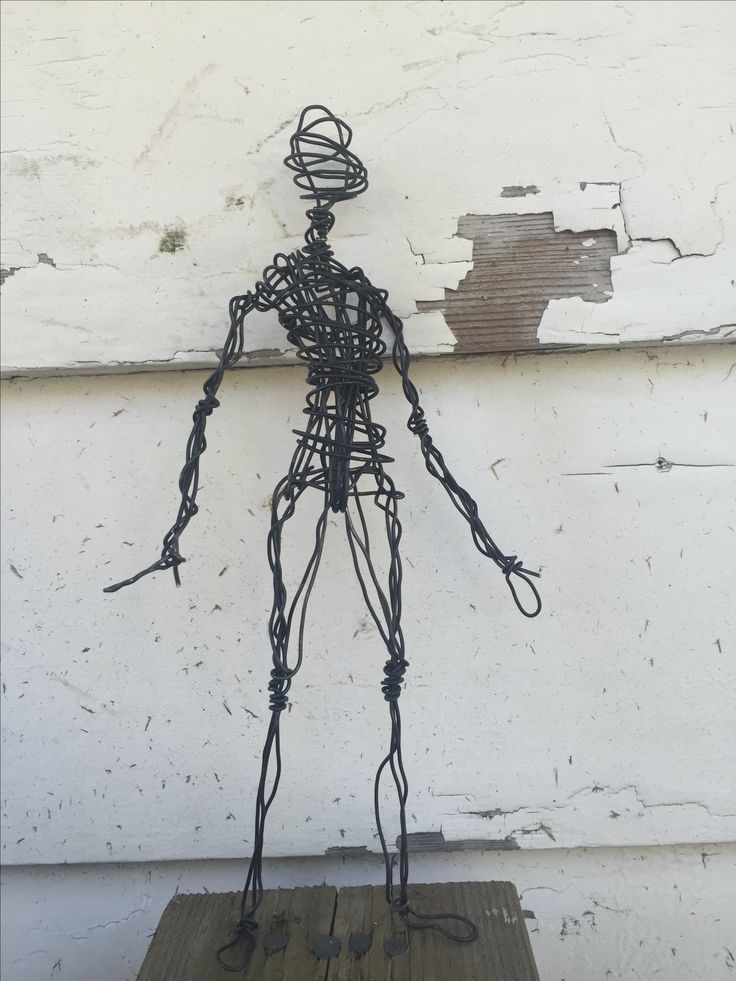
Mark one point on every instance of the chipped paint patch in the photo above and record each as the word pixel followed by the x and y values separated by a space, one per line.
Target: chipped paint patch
pixel 347 851
pixel 42 259
pixel 614 812
pixel 519 191
pixel 435 841
pixel 547 120
pixel 7 273
pixel 520 263
pixel 661 293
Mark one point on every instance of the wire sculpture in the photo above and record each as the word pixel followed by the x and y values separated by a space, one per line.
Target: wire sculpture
pixel 334 318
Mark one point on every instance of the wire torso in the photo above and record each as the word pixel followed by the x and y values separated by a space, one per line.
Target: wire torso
pixel 332 316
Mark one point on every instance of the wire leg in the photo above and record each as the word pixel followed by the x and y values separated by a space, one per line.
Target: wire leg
pixel 284 614
pixel 385 608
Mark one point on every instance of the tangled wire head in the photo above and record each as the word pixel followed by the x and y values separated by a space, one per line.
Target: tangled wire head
pixel 324 165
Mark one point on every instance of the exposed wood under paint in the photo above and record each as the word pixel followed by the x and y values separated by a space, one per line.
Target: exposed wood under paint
pixel 520 263
pixel 519 191
pixel 430 841
pixel 126 238
pixel 435 841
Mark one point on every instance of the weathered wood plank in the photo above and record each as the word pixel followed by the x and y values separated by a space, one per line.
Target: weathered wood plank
pixel 191 929
pixel 520 263
pixel 502 951
pixel 534 285
pixel 353 918
pixel 194 926
pixel 310 915
pixel 384 928
pixel 508 919
pixel 273 919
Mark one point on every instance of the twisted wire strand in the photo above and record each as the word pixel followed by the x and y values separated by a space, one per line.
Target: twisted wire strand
pixel 283 614
pixel 171 557
pixel 329 314
pixel 510 565
pixel 385 609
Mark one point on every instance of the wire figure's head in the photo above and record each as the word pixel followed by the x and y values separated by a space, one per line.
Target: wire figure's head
pixel 325 168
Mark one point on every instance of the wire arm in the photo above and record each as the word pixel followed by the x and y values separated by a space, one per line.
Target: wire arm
pixel 171 558
pixel 510 565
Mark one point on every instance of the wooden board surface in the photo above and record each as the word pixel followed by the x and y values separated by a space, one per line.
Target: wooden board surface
pixel 194 925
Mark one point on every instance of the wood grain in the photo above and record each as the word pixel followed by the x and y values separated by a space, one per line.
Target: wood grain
pixel 520 263
pixel 193 926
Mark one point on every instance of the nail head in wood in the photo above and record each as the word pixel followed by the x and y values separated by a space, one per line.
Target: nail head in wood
pixel 326 947
pixel 360 943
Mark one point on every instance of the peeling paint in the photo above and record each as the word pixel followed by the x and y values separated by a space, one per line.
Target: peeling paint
pixel 435 841
pixel 347 851
pixel 42 259
pixel 265 354
pixel 520 263
pixel 544 823
pixel 692 291
pixel 547 124
pixel 517 191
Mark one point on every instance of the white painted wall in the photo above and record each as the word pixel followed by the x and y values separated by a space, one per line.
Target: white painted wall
pixel 609 721
pixel 597 737
pixel 584 712
pixel 124 120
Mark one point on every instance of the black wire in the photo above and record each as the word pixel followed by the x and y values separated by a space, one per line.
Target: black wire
pixel 510 565
pixel 334 317
pixel 171 558
pixel 324 165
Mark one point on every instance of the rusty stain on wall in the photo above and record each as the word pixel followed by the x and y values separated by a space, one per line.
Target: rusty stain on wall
pixel 520 263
